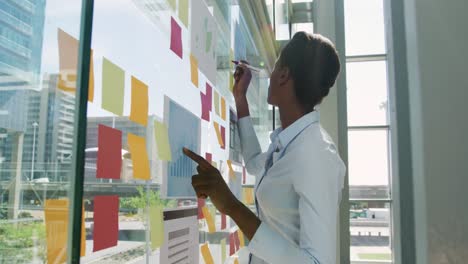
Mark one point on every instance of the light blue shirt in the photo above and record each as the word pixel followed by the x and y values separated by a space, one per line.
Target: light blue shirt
pixel 298 191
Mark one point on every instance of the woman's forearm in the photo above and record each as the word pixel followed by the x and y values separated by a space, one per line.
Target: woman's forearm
pixel 247 221
pixel 242 106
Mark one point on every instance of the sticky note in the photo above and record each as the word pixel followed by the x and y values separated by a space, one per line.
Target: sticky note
pixel 209 219
pixel 236 261
pixel 194 70
pixel 248 195
pixel 156 226
pixel 139 106
pixel 56 224
pixel 162 141
pixel 241 238
pixel 214 164
pixel 231 170
pixel 113 82
pixel 223 221
pixel 216 102
pixel 206 102
pixel 200 203
pixel 68 63
pixel 172 4
pixel 223 137
pixel 91 78
pixel 223 108
pixel 184 11
pixel 106 222
pixel 223 250
pixel 206 253
pixel 176 38
pixel 244 175
pixel 139 156
pixel 218 134
pixel 236 241
pixel 109 158
pixel 213 213
pixel 232 244
pixel 208 156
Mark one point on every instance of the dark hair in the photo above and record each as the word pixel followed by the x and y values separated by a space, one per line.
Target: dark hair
pixel 313 64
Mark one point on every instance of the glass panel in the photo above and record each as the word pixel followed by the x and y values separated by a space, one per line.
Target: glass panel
pixel 364 27
pixel 307 27
pixel 368 163
pixel 37 107
pixel 371 232
pixel 162 82
pixel 367 93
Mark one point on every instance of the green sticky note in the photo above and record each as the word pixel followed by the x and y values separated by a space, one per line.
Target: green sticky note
pixel 223 250
pixel 172 3
pixel 162 141
pixel 113 83
pixel 184 11
pixel 156 226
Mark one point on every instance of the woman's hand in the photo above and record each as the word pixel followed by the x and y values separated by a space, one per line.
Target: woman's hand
pixel 242 77
pixel 209 183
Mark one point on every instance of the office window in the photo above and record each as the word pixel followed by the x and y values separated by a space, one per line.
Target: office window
pixel 368 133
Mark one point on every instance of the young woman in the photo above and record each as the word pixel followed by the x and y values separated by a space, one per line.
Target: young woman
pixel 299 179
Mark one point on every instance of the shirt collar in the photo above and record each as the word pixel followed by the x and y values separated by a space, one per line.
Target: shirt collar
pixel 285 136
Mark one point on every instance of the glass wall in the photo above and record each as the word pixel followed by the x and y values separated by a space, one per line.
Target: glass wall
pixel 160 79
pixel 36 127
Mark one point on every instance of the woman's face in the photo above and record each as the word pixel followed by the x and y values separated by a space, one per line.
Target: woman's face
pixel 274 88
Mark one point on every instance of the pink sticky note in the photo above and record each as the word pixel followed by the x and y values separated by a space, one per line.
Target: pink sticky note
pixel 106 222
pixel 109 158
pixel 236 240
pixel 232 244
pixel 223 136
pixel 176 38
pixel 200 204
pixel 206 102
pixel 223 221
pixel 209 157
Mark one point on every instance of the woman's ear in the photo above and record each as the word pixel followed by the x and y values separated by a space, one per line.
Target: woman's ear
pixel 284 76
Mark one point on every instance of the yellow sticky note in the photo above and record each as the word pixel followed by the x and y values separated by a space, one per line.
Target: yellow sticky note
pixel 184 11
pixel 218 134
pixel 216 102
pixel 223 250
pixel 206 253
pixel 156 226
pixel 91 78
pixel 139 156
pixel 139 107
pixel 162 141
pixel 223 108
pixel 248 194
pixel 194 70
pixel 113 84
pixel 214 164
pixel 56 222
pixel 231 170
pixel 209 219
pixel 241 238
pixel 236 261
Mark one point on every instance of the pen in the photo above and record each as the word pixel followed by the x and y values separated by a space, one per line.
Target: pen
pixel 247 65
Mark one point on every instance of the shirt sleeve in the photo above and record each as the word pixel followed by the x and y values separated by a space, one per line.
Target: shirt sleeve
pixel 250 147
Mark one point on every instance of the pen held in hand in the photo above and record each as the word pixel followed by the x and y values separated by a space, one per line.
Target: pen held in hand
pixel 247 65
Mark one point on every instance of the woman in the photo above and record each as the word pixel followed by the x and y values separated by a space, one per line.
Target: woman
pixel 299 179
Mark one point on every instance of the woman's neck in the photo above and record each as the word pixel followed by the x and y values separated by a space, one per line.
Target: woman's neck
pixel 290 114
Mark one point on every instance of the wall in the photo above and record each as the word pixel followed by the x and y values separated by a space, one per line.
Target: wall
pixel 436 38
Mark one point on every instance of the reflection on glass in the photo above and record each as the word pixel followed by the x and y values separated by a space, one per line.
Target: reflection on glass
pixel 364 27
pixel 370 229
pixel 36 130
pixel 368 163
pixel 367 93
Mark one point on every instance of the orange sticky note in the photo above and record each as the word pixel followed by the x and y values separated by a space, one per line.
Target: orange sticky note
pixel 218 134
pixel 139 107
pixel 194 70
pixel 56 222
pixel 231 170
pixel 223 108
pixel 236 261
pixel 206 253
pixel 91 78
pixel 209 219
pixel 139 156
pixel 248 195
pixel 241 238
